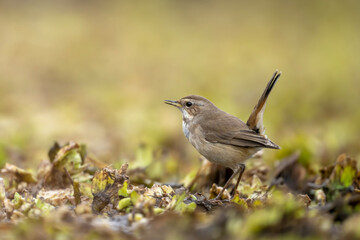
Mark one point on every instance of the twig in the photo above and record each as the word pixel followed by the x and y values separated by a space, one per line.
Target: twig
pixel 76 187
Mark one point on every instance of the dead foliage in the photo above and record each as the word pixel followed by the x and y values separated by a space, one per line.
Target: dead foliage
pixel 66 193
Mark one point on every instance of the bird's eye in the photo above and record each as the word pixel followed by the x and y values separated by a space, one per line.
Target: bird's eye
pixel 188 104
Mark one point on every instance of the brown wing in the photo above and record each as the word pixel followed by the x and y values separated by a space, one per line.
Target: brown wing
pixel 227 129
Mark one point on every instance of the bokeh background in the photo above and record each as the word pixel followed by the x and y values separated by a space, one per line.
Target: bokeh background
pixel 98 72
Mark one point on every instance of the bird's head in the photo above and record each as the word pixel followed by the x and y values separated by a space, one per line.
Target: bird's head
pixel 192 106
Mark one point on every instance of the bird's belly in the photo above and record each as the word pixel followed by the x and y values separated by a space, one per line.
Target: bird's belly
pixel 223 154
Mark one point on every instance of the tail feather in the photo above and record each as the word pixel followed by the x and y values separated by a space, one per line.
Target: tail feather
pixel 255 121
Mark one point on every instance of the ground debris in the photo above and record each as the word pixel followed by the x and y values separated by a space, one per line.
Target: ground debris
pixel 291 174
pixel 66 160
pixel 17 174
pixel 66 195
pixel 105 186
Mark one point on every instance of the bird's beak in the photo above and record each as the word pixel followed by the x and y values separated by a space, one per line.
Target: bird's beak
pixel 173 103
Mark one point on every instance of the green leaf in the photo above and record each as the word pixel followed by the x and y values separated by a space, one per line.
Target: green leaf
pixel 241 202
pixel 182 207
pixel 124 203
pixel 103 178
pixel 18 200
pixel 43 206
pixel 347 176
pixel 158 211
pixel 123 190
pixel 134 196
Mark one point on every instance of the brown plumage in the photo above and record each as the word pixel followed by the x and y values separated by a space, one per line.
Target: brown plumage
pixel 221 137
pixel 255 121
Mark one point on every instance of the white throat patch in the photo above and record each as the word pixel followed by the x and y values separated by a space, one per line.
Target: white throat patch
pixel 185 126
pixel 186 115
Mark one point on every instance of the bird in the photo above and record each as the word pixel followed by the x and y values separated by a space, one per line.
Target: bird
pixel 221 137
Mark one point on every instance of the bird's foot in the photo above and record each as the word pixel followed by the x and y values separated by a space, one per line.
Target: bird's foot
pixel 216 201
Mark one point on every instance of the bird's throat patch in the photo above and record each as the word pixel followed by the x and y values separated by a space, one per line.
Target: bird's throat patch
pixel 185 128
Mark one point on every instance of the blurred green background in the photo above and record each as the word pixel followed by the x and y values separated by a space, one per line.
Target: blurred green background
pixel 98 72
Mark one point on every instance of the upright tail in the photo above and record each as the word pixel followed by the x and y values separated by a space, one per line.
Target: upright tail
pixel 255 121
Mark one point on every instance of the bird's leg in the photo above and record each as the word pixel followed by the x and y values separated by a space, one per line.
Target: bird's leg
pixel 241 170
pixel 218 197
